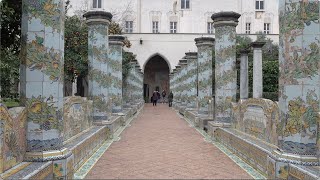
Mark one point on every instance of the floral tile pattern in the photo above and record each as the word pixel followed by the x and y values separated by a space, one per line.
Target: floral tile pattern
pixel 225 72
pixel 99 79
pixel 299 77
pixel 42 56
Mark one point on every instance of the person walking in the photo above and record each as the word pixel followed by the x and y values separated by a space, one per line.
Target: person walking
pixel 154 98
pixel 158 95
pixel 163 96
pixel 170 98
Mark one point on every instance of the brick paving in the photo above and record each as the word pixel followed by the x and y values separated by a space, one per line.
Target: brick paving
pixel 161 145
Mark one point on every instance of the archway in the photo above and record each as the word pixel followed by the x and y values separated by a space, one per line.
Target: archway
pixel 156 76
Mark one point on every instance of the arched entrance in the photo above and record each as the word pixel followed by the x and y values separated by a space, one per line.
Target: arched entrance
pixel 156 76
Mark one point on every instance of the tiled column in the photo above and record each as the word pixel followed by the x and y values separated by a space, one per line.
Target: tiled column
pixel 257 69
pixel 41 82
pixel 178 92
pixel 299 85
pixel 225 66
pixel 115 69
pixel 205 47
pixel 99 79
pixel 244 78
pixel 141 85
pixel 183 85
pixel 192 79
pixel 174 86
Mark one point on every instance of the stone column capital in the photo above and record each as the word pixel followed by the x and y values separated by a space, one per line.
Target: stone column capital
pixel 204 41
pixel 244 52
pixel 191 55
pixel 178 67
pixel 258 44
pixel 98 17
pixel 228 18
pixel 183 62
pixel 116 39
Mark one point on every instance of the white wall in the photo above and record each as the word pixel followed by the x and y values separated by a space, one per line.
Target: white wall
pixel 191 23
pixel 172 47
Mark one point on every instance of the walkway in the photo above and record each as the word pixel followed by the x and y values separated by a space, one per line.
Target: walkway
pixel 161 145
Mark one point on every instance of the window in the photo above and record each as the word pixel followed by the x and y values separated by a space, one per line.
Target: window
pixel 129 27
pixel 173 27
pixel 210 28
pixel 96 4
pixel 266 29
pixel 155 27
pixel 185 4
pixel 248 28
pixel 259 4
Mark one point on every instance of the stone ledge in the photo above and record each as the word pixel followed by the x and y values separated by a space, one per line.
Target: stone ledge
pixel 257 154
pixel 35 170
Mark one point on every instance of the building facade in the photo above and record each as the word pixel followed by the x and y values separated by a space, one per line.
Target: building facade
pixel 167 28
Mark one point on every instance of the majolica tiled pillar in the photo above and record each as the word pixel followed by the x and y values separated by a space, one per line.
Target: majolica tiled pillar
pixel 192 79
pixel 244 78
pixel 141 85
pixel 115 70
pixel 178 101
pixel 41 82
pixel 183 85
pixel 225 66
pixel 205 47
pixel 299 84
pixel 174 86
pixel 99 78
pixel 257 69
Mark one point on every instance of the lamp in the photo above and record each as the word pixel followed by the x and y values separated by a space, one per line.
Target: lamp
pixel 141 41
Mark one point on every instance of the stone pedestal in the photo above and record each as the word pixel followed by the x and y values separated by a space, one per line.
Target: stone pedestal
pixel 192 72
pixel 299 96
pixel 99 78
pixel 41 82
pixel 115 69
pixel 244 78
pixel 257 69
pixel 205 47
pixel 225 64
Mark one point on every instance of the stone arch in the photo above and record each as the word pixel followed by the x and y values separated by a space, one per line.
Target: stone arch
pixel 153 55
pixel 156 75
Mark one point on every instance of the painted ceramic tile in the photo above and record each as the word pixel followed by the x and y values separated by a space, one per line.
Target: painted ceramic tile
pixel 299 76
pixel 225 72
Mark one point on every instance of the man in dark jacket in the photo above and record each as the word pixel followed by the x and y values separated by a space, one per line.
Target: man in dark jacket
pixel 154 98
pixel 170 98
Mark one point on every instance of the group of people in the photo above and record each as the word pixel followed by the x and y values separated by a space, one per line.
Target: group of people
pixel 156 97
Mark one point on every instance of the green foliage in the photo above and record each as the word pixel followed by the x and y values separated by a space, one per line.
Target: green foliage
pixel 11 24
pixel 76 48
pixel 127 57
pixel 270 65
pixel 9 71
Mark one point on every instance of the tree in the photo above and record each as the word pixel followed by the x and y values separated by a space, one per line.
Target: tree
pixel 76 48
pixel 270 65
pixel 11 24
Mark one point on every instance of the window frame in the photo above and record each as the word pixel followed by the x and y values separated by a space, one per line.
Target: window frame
pixel 267 28
pixel 173 27
pixel 184 3
pixel 128 26
pixel 155 29
pixel 97 3
pixel 248 30
pixel 210 28
pixel 258 5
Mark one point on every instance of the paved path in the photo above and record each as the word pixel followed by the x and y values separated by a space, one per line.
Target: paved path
pixel 161 145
